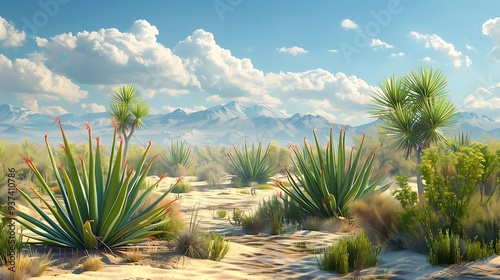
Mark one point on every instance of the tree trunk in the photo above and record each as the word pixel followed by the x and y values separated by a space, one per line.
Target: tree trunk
pixel 420 186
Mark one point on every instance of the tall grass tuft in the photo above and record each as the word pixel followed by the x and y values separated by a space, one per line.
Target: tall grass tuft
pixel 250 164
pixel 192 243
pixel 272 209
pixel 218 247
pixel 326 179
pixel 177 158
pixel 444 248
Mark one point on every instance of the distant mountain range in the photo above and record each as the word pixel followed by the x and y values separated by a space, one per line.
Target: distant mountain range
pixel 218 125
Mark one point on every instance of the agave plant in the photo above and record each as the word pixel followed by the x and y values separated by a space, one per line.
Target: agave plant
pixel 252 165
pixel 325 180
pixel 95 211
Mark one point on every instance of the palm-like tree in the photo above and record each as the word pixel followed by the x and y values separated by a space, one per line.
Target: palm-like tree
pixel 414 110
pixel 128 110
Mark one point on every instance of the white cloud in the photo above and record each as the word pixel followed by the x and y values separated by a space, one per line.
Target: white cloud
pixel 470 48
pixel 34 80
pixel 93 107
pixel 109 57
pixel 397 54
pixel 214 98
pixel 170 109
pixel 329 116
pixel 293 50
pixel 333 51
pixel 10 36
pixel 349 24
pixel 491 28
pixel 484 98
pixel 428 59
pixel 437 43
pixel 32 104
pixel 378 44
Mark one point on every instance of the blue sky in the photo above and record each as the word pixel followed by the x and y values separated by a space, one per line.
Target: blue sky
pixel 67 56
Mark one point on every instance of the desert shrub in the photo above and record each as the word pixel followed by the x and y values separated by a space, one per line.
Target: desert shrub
pixel 218 247
pixel 10 245
pixel 212 172
pixel 477 250
pixel 278 155
pixel 253 222
pixel 133 255
pixel 92 263
pixel 236 218
pixel 483 220
pixel 355 253
pixel 236 182
pixel 38 262
pixel 444 248
pixel 326 179
pixel 272 210
pixel 177 158
pixel 182 187
pixel 104 211
pixel 192 242
pixel 221 214
pixel 243 191
pixel 264 187
pixel 250 164
pixel 379 215
pixel 313 223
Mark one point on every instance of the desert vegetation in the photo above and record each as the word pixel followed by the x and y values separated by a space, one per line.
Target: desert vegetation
pixel 100 198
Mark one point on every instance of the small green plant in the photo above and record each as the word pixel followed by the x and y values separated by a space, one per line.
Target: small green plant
pixel 253 222
pixel 477 250
pixel 444 248
pixel 92 263
pixel 218 247
pixel 182 187
pixel 351 254
pixel 192 243
pixel 237 217
pixel 251 164
pixel 265 187
pixel 272 209
pixel 327 180
pixel 221 214
pixel 177 158
pixel 243 191
pixel 11 240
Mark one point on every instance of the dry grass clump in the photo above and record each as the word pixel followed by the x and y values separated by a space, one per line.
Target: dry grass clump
pixel 483 221
pixel 192 243
pixel 92 263
pixel 378 215
pixel 31 264
pixel 134 255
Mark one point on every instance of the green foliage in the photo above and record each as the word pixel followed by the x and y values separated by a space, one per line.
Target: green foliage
pixel 327 180
pixel 477 250
pixel 444 248
pixel 95 211
pixel 450 182
pixel 11 241
pixel 405 195
pixel 278 155
pixel 169 230
pixel 253 222
pixel 272 209
pixel 182 187
pixel 251 164
pixel 483 220
pixel 221 214
pixel 294 214
pixel 177 158
pixel 218 247
pixel 212 172
pixel 355 253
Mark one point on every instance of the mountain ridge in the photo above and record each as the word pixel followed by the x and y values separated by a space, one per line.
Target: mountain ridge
pixel 218 125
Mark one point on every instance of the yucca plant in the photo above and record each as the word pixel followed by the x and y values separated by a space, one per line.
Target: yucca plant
pixel 95 211
pixel 326 180
pixel 251 164
pixel 178 158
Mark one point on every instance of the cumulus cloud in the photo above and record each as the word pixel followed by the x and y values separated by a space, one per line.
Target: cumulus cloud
pixel 437 43
pixel 397 54
pixel 470 48
pixel 329 116
pixel 333 51
pixel 491 28
pixel 93 107
pixel 349 24
pixel 133 56
pixel 9 35
pixel 32 104
pixel 378 44
pixel 484 98
pixel 293 50
pixel 34 80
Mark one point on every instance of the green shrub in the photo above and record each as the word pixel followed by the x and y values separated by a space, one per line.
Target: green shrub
pixel 221 214
pixel 10 245
pixel 95 211
pixel 182 187
pixel 253 222
pixel 444 249
pixel 251 164
pixel 327 180
pixel 218 247
pixel 237 217
pixel 177 158
pixel 170 230
pixel 355 253
pixel 477 250
pixel 273 211
pixel 483 220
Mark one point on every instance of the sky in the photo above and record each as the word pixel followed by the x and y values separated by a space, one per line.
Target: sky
pixel 326 58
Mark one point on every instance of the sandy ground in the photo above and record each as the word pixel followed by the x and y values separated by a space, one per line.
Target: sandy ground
pixel 291 255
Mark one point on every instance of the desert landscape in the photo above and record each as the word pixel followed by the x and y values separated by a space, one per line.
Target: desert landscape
pixel 291 255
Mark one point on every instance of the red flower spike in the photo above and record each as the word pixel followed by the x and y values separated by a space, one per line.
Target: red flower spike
pixel 120 137
pixel 46 136
pixel 57 120
pixel 61 145
pixel 27 159
pixel 87 126
pixel 90 221
pixel 113 123
pixel 149 143
pixel 97 139
pixel 180 179
pixel 163 176
pixel 155 156
pixel 81 158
